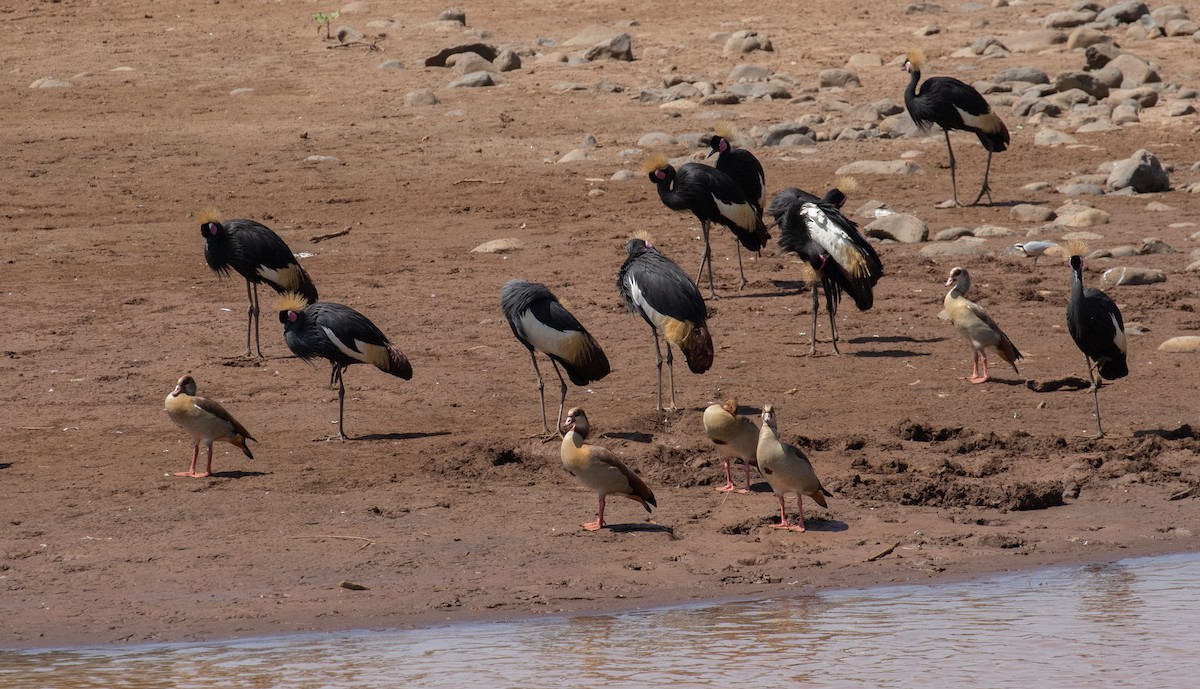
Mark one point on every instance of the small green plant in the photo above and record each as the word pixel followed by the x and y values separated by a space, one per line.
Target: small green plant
pixel 324 20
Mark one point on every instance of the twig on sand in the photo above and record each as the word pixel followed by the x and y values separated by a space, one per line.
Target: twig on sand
pixel 369 541
pixel 476 180
pixel 322 237
pixel 883 553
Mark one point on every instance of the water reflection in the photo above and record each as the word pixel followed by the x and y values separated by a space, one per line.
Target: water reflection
pixel 1125 624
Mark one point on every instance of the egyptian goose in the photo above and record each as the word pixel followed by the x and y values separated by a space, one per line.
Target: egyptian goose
pixel 787 470
pixel 599 469
pixel 736 437
pixel 974 323
pixel 206 421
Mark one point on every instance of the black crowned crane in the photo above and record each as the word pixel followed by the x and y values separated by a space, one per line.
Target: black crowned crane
pixel 952 104
pixel 1095 324
pixel 543 324
pixel 832 247
pixel 656 288
pixel 257 254
pixel 740 165
pixel 713 197
pixel 341 335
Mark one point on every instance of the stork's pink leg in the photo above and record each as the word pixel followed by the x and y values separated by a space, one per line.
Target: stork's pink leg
pixel 783 524
pixel 599 523
pixel 192 469
pixel 728 479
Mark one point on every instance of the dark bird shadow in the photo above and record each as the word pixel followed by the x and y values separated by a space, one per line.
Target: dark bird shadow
pixel 893 339
pixel 238 474
pixel 826 525
pixel 400 436
pixel 888 353
pixel 5 465
pixel 1184 432
pixel 754 295
pixel 632 436
pixel 1009 381
pixel 639 528
pixel 1055 384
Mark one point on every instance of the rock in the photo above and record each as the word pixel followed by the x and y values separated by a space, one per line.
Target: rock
pixel 507 61
pixel 356 7
pixel 776 133
pixel 1068 19
pixel 322 159
pixel 1075 189
pixel 1086 217
pixel 880 167
pixel 1134 70
pixel 1100 54
pixel 499 246
pixel 1034 41
pixel 483 50
pixel 838 77
pixel 1081 236
pixel 414 99
pixel 748 72
pixel 619 47
pixel 1181 109
pixel 989 231
pixel 746 41
pixel 900 227
pixel 453 14
pixel 51 83
pixel 1162 15
pixel 721 98
pixel 1125 114
pixel 1124 12
pixel 1084 81
pixel 576 155
pixel 623 176
pixel 952 233
pixel 928 30
pixel 898 126
pixel 794 140
pixel 465 63
pixel 680 104
pixel 592 35
pixel 347 34
pixel 1181 27
pixel 864 61
pixel 241 91
pixel 1116 277
pixel 1084 37
pixel 1028 75
pixel 1027 212
pixel 1145 96
pixel 1181 345
pixel 759 90
pixel 1052 137
pixel 391 64
pixel 952 249
pixel 1142 173
pixel 657 139
pixel 475 80
pixel 1153 245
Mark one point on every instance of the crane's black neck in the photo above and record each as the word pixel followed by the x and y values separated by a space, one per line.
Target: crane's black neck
pixel 1076 278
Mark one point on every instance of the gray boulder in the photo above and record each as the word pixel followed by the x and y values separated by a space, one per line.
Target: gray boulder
pixel 619 47
pixel 1142 173
pixel 900 227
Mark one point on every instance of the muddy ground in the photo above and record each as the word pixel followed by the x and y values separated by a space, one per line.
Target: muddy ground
pixel 446 505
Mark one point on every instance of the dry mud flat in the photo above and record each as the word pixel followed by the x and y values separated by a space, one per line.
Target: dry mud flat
pixel 443 506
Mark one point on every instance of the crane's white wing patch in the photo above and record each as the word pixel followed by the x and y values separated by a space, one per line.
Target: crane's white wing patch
pixel 834 239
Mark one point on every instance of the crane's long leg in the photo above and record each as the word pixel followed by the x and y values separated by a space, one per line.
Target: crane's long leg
pixel 562 398
pixel 341 402
pixel 987 189
pixel 740 270
pixel 706 258
pixel 658 363
pixel 831 307
pixel 816 304
pixel 249 317
pixel 541 392
pixel 671 374
pixel 1095 394
pixel 953 181
pixel 599 523
pixel 254 308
